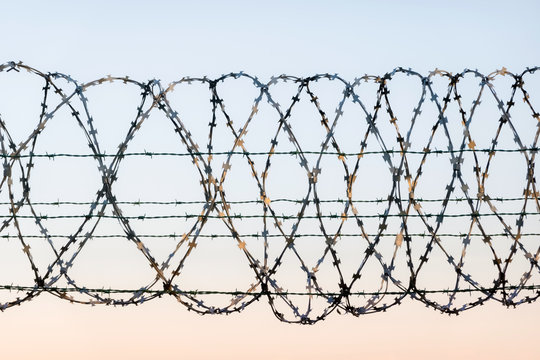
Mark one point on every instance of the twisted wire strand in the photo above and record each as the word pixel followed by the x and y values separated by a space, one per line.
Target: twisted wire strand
pixel 401 202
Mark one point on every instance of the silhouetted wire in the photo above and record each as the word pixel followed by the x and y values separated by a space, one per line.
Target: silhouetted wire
pixel 400 204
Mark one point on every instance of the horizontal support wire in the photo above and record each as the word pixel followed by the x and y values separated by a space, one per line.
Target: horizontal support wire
pixel 263 153
pixel 259 235
pixel 259 216
pixel 243 293
pixel 295 201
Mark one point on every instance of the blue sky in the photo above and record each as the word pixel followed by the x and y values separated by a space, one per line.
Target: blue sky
pixel 169 38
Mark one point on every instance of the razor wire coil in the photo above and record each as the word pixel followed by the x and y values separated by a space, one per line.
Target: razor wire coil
pixel 216 205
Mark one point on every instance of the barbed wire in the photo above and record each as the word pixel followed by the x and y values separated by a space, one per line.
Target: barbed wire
pixel 295 201
pixel 20 288
pixel 259 216
pixel 395 220
pixel 263 153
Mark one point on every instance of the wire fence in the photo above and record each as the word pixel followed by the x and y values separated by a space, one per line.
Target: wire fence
pixel 401 223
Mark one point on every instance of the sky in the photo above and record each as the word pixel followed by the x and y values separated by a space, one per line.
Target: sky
pixel 168 40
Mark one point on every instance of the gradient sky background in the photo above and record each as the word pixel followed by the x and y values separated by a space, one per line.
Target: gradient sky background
pixel 171 39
